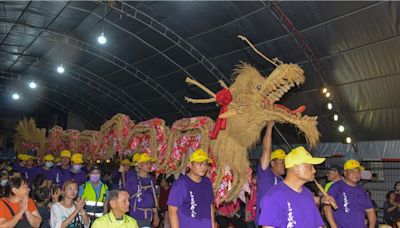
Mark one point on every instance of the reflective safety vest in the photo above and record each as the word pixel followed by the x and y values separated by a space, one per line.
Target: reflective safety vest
pixel 94 203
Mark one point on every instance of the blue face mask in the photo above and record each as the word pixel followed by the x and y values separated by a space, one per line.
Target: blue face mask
pixel 49 164
pixel 94 177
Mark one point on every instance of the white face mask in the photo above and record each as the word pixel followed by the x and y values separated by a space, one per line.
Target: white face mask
pixel 49 164
pixel 77 167
pixel 3 182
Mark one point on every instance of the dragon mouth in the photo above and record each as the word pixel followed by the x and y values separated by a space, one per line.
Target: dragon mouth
pixel 293 112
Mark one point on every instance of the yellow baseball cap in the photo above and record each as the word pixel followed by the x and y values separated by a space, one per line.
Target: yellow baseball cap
pixel 125 162
pixel 48 157
pixel 199 155
pixel 142 157
pixel 22 157
pixel 65 153
pixel 57 159
pixel 28 157
pixel 279 154
pixel 300 155
pixel 77 158
pixel 353 164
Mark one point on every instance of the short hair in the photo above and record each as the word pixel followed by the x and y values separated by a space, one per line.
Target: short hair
pixel 114 194
pixel 15 182
pixel 397 182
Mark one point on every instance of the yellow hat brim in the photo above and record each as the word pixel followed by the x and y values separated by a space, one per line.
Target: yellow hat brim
pixel 201 160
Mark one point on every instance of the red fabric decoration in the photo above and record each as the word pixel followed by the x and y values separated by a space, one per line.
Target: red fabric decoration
pixel 223 99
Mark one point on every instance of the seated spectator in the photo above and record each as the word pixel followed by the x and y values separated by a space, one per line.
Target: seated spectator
pixel 16 208
pixel 68 213
pixel 42 198
pixel 119 204
pixel 391 209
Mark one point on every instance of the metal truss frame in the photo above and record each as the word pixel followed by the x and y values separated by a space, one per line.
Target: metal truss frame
pixel 58 90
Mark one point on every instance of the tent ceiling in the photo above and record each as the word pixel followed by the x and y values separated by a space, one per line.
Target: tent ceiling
pixel 153 46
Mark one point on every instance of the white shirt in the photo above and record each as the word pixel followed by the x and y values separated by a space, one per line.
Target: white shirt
pixel 59 213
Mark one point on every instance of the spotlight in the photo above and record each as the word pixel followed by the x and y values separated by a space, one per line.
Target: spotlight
pixel 102 39
pixel 329 106
pixel 60 69
pixel 348 140
pixel 335 117
pixel 324 90
pixel 341 128
pixel 328 94
pixel 15 96
pixel 32 85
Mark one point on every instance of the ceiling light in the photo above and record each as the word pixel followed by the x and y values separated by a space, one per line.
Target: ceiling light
pixel 348 140
pixel 324 90
pixel 102 39
pixel 335 117
pixel 341 128
pixel 60 69
pixel 15 96
pixel 32 85
pixel 328 94
pixel 329 106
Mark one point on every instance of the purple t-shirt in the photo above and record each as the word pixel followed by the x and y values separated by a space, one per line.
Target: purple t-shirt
pixel 79 178
pixel 193 201
pixel 49 174
pixel 352 203
pixel 265 180
pixel 62 175
pixel 284 207
pixel 142 197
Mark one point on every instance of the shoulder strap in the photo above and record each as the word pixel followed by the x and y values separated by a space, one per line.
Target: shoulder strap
pixel 9 207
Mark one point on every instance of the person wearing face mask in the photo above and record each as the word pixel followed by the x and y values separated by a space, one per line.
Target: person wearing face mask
pixel 47 169
pixel 76 172
pixel 141 187
pixel 95 193
pixel 63 170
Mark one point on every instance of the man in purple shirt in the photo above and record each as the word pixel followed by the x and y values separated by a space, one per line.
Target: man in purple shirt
pixel 141 188
pixel 47 169
pixel 190 201
pixel 62 172
pixel 289 204
pixel 76 173
pixel 270 170
pixel 352 200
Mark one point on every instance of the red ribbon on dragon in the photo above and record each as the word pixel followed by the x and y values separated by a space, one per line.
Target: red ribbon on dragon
pixel 223 99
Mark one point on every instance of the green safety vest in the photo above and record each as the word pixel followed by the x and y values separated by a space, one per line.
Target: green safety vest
pixel 94 204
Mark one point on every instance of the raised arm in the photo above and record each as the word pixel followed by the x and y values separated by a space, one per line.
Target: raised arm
pixel 267 142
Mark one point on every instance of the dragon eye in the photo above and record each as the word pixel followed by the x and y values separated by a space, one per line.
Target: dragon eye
pixel 258 87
